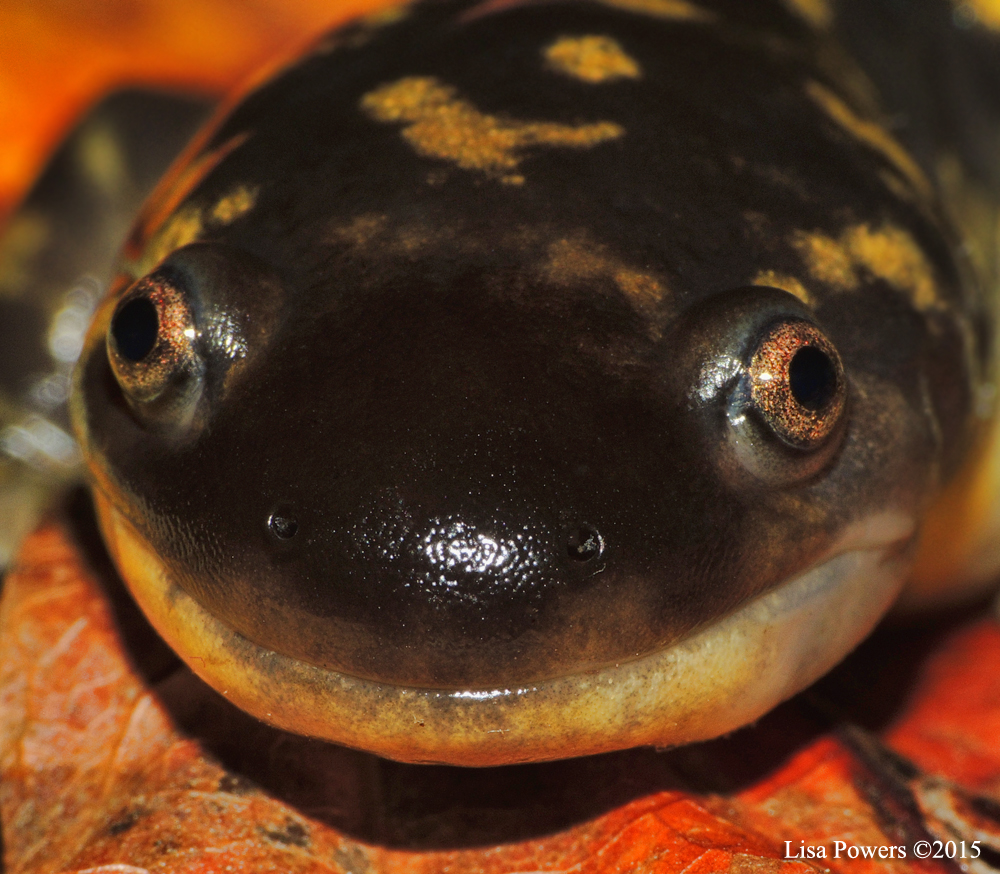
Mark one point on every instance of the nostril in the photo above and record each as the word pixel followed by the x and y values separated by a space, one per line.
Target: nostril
pixel 282 524
pixel 584 543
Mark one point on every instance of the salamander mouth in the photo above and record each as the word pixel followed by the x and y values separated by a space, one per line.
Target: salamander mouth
pixel 715 680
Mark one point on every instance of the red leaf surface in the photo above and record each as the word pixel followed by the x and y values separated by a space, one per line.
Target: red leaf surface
pixel 952 726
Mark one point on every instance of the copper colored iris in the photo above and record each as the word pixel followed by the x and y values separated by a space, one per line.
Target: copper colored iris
pixel 797 383
pixel 145 358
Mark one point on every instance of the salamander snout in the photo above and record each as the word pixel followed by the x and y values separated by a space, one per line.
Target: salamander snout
pixel 457 490
pixel 454 487
pixel 445 494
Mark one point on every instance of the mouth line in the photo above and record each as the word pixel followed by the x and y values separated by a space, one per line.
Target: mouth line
pixel 717 679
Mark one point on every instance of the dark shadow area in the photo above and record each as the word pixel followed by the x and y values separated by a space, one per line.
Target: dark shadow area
pixel 433 807
pixel 872 685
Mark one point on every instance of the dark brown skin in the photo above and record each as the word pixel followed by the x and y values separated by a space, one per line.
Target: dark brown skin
pixel 471 334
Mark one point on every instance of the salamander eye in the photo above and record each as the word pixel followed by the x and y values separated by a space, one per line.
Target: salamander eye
pixel 797 384
pixel 786 409
pixel 151 346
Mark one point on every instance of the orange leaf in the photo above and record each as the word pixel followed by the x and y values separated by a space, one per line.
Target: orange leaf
pixel 952 725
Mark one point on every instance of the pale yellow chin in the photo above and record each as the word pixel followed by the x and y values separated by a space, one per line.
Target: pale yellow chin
pixel 714 681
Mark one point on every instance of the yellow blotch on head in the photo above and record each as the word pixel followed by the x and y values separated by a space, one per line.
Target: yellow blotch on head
pixel 375 234
pixel 681 10
pixel 183 227
pixel 827 259
pixel 642 288
pixel 784 281
pixel 888 253
pixel 189 224
pixel 234 204
pixel 164 219
pixel 817 12
pixel 591 59
pixel 385 17
pixel 441 125
pixel 871 134
pixel 365 28
pixel 361 231
pixel 577 258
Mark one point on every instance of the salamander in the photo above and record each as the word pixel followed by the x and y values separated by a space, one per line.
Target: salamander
pixel 504 381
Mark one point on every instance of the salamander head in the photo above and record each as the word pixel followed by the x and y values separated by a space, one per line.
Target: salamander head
pixel 459 405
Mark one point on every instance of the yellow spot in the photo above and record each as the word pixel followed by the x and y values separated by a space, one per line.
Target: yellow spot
pixel 591 58
pixel 896 184
pixel 872 134
pixel 239 201
pixel 360 231
pixel 163 209
pixel 888 253
pixel 385 17
pixel 442 125
pixel 642 288
pixel 680 10
pixel 784 281
pixel 183 227
pixel 818 13
pixel 827 259
pixel 189 223
pixel 893 255
pixel 578 258
pixel 372 233
pixel 367 27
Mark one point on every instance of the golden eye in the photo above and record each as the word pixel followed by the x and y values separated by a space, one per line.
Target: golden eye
pixel 151 341
pixel 797 384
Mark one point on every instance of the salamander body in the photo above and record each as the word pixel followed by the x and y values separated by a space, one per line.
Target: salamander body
pixel 508 381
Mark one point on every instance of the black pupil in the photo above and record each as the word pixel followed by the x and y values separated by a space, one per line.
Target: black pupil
pixel 812 378
pixel 135 327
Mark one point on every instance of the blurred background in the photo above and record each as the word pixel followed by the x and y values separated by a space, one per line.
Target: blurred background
pixel 58 57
